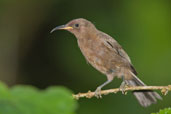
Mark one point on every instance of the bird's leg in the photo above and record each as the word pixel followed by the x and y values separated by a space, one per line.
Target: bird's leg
pixel 98 90
pixel 123 85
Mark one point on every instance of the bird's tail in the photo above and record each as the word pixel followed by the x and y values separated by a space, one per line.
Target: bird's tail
pixel 144 97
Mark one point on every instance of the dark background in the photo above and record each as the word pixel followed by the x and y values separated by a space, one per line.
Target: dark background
pixel 29 54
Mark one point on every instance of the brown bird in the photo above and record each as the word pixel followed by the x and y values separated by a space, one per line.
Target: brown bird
pixel 107 56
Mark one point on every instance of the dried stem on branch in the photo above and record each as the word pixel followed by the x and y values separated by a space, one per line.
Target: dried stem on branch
pixel 164 90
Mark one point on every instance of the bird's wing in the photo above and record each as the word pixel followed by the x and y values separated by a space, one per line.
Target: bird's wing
pixel 114 45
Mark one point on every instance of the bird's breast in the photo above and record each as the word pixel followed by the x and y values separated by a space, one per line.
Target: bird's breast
pixel 95 54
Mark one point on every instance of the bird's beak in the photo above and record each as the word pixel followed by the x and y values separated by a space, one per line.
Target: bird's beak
pixel 64 27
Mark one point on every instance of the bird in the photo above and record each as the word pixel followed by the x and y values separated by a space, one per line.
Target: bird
pixel 106 55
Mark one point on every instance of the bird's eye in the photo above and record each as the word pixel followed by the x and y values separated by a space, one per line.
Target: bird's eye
pixel 77 25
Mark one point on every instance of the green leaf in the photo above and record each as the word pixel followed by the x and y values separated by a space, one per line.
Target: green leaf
pixel 57 99
pixel 30 100
pixel 4 92
pixel 164 111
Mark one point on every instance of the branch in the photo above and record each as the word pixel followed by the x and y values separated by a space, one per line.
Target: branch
pixel 89 94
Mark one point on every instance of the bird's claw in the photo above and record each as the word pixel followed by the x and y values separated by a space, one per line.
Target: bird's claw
pixel 98 93
pixel 122 87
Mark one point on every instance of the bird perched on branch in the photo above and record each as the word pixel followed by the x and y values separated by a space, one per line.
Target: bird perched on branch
pixel 106 55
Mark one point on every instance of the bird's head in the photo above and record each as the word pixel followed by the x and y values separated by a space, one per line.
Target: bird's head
pixel 79 27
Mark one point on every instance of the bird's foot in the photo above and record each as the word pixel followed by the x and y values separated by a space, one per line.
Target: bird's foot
pixel 98 92
pixel 122 87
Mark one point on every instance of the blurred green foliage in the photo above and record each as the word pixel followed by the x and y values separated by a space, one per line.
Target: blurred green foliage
pixel 29 100
pixel 164 111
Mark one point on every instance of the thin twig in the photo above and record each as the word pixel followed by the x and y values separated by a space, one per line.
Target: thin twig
pixel 89 94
